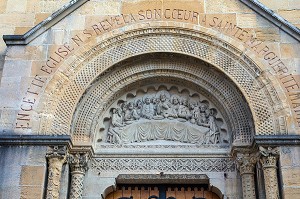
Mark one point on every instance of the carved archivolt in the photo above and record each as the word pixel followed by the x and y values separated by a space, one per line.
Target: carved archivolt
pixel 78 76
pixel 170 70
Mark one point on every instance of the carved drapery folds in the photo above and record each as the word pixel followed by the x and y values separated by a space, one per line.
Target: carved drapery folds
pixel 56 157
pixel 162 115
pixel 78 164
pixel 268 160
pixel 246 163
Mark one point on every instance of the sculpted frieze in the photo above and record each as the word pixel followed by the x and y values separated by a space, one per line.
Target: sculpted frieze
pixel 164 115
pixel 184 165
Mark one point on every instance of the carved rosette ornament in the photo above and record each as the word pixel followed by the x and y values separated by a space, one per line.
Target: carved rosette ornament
pixel 78 165
pixel 269 160
pixel 246 164
pixel 56 157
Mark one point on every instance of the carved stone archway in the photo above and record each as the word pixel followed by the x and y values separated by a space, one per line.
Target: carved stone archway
pixel 69 84
pixel 172 71
pixel 83 94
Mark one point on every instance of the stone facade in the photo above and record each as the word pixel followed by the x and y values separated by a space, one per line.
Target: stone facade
pixel 103 93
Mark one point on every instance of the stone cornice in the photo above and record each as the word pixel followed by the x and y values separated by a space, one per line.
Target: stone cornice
pixel 276 140
pixel 41 140
pixel 74 4
pixel 266 140
pixel 274 18
pixel 44 25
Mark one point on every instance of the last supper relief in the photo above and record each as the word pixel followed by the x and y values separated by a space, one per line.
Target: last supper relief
pixel 161 113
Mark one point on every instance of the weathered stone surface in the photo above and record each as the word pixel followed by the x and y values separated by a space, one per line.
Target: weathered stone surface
pixel 291 192
pixel 249 20
pixel 290 50
pixel 31 192
pixel 291 176
pixel 226 6
pixel 292 15
pixel 230 39
pixel 32 175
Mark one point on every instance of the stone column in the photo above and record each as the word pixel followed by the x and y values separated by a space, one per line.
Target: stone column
pixel 269 160
pixel 246 164
pixel 78 165
pixel 56 157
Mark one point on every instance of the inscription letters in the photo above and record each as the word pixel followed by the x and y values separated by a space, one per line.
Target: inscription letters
pixel 216 22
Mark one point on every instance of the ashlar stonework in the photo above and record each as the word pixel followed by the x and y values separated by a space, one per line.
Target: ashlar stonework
pixel 184 99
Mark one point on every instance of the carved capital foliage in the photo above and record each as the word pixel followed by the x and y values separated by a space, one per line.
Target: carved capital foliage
pixel 246 162
pixel 78 162
pixel 57 152
pixel 269 156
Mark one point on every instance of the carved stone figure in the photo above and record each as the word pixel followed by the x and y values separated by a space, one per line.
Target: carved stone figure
pixel 131 113
pixel 213 135
pixel 116 126
pixel 175 99
pixel 157 118
pixel 164 107
pixel 202 120
pixel 183 111
pixel 147 108
pixel 195 111
pixel 139 106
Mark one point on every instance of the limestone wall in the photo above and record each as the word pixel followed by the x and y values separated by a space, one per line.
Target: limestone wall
pixel 35 76
pixel 23 172
pixel 17 17
pixel 290 171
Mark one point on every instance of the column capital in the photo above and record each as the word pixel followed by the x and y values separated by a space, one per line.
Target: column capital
pixel 78 162
pixel 269 156
pixel 57 152
pixel 246 162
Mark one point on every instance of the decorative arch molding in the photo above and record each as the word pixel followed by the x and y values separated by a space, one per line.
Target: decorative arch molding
pixel 170 71
pixel 69 84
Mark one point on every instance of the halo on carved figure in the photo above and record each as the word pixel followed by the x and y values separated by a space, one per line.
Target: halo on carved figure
pixel 162 93
pixel 176 98
pixel 148 96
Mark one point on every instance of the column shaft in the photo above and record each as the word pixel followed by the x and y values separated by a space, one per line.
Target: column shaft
pixel 246 164
pixel 76 185
pixel 56 158
pixel 248 186
pixel 269 160
pixel 78 165
pixel 270 176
